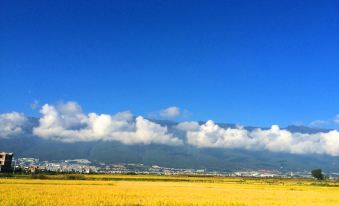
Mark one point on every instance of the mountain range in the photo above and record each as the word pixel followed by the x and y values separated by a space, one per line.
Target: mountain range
pixel 181 156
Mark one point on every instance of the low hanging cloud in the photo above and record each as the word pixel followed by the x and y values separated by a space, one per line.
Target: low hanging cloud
pixel 67 123
pixel 210 135
pixel 11 124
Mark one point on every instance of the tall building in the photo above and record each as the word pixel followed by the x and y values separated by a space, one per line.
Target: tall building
pixel 6 162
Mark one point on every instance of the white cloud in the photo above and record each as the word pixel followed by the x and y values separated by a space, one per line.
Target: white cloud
pixel 319 123
pixel 11 124
pixel 274 139
pixel 332 122
pixel 336 120
pixel 67 123
pixel 170 112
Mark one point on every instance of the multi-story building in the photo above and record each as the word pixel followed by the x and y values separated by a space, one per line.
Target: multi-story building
pixel 6 162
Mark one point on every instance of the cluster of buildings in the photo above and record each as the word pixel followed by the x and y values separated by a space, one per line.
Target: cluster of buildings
pixel 33 165
pixel 65 166
pixel 85 166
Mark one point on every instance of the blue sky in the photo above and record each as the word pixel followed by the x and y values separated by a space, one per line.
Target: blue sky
pixel 248 62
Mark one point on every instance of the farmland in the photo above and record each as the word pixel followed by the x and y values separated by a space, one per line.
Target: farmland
pixel 164 190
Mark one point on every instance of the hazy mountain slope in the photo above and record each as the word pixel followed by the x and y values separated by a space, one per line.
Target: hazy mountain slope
pixel 184 156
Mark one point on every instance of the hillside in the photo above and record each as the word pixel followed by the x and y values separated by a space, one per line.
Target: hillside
pixel 183 156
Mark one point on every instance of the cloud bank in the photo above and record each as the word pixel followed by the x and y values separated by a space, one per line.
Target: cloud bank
pixel 67 123
pixel 210 135
pixel 11 124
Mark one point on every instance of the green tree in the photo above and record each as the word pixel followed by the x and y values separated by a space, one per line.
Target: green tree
pixel 317 173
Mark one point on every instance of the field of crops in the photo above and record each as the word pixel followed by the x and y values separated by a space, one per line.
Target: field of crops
pixel 162 190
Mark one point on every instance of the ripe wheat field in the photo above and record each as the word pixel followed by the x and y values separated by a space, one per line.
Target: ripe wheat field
pixel 163 190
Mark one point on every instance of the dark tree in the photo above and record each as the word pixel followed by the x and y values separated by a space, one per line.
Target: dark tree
pixel 317 173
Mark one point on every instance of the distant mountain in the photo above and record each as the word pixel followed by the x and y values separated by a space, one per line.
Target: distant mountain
pixel 184 156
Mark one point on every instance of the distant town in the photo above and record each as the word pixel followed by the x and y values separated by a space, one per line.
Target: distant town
pixel 84 166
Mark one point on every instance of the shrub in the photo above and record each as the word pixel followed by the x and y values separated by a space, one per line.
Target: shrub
pixel 75 177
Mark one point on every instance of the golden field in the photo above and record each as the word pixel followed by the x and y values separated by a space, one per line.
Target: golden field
pixel 165 190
